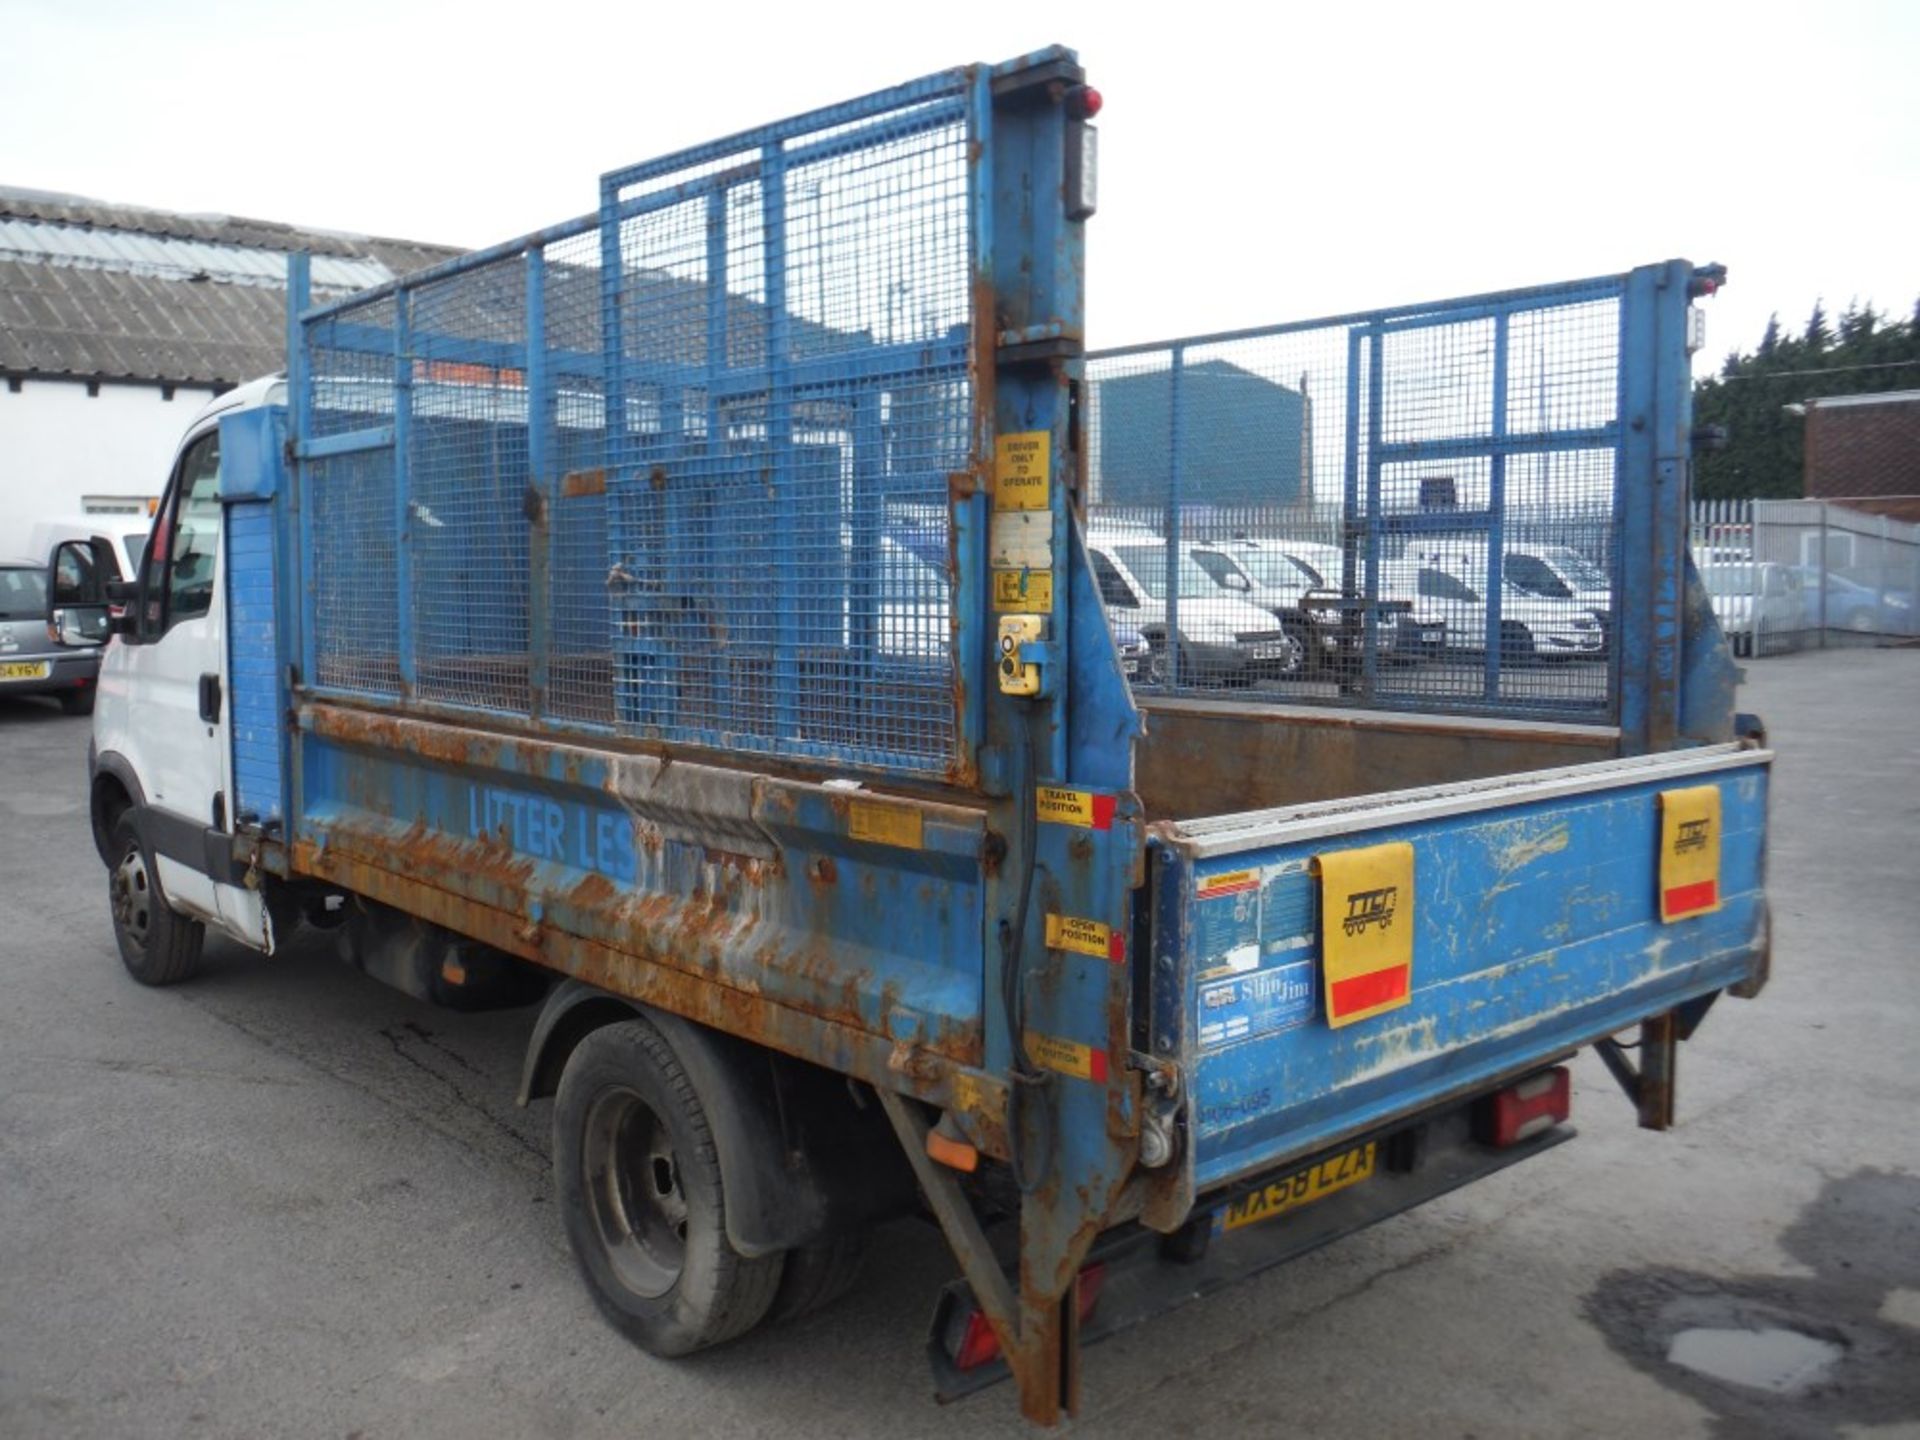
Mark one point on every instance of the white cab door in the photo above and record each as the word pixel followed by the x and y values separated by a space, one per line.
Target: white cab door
pixel 174 726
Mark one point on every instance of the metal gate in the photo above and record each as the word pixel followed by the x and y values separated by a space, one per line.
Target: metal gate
pixel 1424 508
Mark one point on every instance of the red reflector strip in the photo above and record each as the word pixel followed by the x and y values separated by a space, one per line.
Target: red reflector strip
pixel 1685 899
pixel 1376 987
pixel 1523 1110
pixel 978 1343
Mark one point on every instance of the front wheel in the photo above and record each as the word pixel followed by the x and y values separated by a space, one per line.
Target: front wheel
pixel 1516 644
pixel 1299 651
pixel 157 946
pixel 638 1176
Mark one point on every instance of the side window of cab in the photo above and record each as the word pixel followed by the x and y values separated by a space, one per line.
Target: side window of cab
pixel 176 580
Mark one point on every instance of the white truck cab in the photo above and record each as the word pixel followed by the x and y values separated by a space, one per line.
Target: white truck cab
pixel 160 761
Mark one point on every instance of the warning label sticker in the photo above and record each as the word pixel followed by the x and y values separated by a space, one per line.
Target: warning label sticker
pixel 1689 852
pixel 899 825
pixel 1366 930
pixel 1023 590
pixel 1229 882
pixel 1020 465
pixel 1084 937
pixel 1074 807
pixel 1066 1057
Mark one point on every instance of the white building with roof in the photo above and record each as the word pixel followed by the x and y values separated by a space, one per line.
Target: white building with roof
pixel 116 325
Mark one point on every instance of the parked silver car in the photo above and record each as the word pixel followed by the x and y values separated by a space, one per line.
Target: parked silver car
pixel 36 658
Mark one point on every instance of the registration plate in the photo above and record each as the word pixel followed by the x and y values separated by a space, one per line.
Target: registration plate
pixel 1302 1188
pixel 23 670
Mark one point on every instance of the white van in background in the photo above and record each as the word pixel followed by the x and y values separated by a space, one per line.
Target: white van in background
pixel 123 537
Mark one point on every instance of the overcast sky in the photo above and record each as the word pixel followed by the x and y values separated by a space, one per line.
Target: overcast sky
pixel 1259 163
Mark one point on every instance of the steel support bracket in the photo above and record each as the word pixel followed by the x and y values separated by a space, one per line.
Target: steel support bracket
pixel 1650 1086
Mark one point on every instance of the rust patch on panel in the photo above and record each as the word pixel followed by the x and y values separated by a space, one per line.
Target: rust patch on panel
pixel 577 483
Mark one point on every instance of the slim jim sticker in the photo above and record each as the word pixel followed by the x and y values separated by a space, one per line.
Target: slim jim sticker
pixel 1366 930
pixel 1689 852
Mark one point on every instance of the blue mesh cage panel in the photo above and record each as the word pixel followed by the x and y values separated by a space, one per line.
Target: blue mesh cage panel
pixel 1378 509
pixel 680 469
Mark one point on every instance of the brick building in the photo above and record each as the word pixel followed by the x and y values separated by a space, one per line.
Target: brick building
pixel 1865 449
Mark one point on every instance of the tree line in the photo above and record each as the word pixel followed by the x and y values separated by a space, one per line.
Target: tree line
pixel 1862 352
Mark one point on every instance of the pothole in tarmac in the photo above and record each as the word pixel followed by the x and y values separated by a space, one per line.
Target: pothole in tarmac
pixel 1787 1356
pixel 1784 1362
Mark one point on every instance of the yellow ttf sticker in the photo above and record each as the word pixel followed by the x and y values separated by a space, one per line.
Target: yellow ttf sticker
pixel 1021 463
pixel 1366 930
pixel 1689 851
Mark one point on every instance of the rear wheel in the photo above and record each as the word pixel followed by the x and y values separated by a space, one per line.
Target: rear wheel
pixel 816 1275
pixel 157 946
pixel 638 1175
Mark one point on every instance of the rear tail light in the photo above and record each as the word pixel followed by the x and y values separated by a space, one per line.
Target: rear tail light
pixel 1524 1110
pixel 979 1345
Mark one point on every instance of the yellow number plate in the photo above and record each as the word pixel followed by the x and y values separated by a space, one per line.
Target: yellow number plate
pixel 24 670
pixel 1299 1189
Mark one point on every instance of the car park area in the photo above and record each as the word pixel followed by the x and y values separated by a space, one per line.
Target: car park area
pixel 286 1199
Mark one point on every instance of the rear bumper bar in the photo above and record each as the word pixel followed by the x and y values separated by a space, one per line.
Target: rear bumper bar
pixel 1141 1278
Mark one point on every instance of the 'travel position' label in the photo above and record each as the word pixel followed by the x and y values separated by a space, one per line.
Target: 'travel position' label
pixel 1067 1057
pixel 1074 807
pixel 1020 465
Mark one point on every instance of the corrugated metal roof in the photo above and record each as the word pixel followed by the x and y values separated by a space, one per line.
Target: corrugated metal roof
pixel 174 259
pixel 115 292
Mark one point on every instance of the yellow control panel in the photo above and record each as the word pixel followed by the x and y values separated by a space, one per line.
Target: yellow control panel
pixel 1019 675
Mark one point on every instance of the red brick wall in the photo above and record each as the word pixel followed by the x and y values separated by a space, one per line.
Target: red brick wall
pixel 1863 449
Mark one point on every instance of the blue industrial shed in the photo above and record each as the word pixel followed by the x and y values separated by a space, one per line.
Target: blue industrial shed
pixel 1244 438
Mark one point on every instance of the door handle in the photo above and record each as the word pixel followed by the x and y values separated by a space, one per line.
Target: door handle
pixel 210 699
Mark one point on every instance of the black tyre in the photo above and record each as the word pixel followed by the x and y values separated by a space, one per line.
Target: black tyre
pixel 816 1275
pixel 1516 644
pixel 77 702
pixel 1301 655
pixel 638 1177
pixel 1157 667
pixel 158 946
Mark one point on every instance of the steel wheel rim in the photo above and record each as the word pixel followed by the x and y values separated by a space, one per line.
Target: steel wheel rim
pixel 1293 655
pixel 133 897
pixel 634 1193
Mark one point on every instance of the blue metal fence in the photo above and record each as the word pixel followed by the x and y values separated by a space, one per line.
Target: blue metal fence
pixel 1471 451
pixel 679 469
